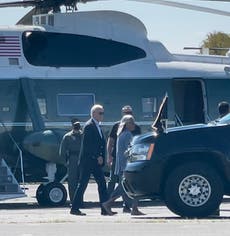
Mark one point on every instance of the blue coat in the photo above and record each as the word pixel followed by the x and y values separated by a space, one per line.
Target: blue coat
pixel 123 141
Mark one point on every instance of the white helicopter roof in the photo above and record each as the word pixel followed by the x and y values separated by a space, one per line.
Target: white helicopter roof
pixel 112 25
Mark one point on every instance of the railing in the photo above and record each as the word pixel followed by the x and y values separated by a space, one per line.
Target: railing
pixel 20 155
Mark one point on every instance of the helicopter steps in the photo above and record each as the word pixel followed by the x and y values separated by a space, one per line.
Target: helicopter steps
pixel 9 187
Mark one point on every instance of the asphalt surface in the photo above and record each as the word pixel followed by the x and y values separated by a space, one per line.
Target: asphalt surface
pixel 23 217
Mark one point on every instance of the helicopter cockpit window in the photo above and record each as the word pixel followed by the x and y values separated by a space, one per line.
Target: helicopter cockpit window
pixel 71 50
pixel 75 104
pixel 30 50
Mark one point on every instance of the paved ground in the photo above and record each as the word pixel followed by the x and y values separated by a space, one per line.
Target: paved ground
pixel 23 217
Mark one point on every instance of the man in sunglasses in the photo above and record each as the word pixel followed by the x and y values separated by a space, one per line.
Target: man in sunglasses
pixel 91 160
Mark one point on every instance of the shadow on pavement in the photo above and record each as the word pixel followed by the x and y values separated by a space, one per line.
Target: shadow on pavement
pixel 117 204
pixel 87 204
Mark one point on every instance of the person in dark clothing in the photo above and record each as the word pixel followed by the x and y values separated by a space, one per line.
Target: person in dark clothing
pixel 69 150
pixel 111 151
pixel 91 160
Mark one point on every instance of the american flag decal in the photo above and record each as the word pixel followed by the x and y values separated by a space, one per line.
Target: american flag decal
pixel 10 46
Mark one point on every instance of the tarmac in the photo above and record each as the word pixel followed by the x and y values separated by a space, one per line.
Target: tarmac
pixel 24 217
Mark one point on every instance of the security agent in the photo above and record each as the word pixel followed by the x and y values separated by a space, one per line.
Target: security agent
pixel 70 149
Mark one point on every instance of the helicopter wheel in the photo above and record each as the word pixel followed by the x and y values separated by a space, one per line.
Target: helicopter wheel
pixel 54 194
pixel 40 195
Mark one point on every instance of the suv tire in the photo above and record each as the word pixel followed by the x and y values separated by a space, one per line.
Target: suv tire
pixel 193 190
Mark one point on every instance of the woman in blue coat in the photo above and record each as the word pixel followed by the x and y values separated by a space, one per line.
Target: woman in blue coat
pixel 124 136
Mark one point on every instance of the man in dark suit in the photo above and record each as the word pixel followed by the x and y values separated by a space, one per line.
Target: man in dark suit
pixel 91 160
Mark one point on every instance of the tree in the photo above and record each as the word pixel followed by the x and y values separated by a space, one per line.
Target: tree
pixel 217 40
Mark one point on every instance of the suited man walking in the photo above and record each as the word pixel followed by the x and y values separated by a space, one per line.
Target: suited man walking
pixel 91 160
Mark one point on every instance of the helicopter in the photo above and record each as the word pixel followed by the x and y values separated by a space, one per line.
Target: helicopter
pixel 55 65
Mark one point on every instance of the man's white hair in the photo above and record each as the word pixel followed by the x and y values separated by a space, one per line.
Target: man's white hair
pixel 94 108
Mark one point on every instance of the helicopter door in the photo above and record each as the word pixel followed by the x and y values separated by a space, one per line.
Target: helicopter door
pixel 189 101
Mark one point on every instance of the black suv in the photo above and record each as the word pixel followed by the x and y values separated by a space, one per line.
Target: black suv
pixel 188 167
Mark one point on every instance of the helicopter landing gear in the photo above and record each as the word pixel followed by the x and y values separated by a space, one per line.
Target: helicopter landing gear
pixel 51 194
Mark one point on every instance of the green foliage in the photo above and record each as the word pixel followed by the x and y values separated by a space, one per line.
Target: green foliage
pixel 215 41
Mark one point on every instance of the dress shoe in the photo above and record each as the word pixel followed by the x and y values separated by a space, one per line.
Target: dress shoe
pixel 107 210
pixel 126 209
pixel 105 213
pixel 137 213
pixel 77 213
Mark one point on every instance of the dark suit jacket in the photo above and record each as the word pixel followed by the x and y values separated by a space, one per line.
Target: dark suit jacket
pixel 92 145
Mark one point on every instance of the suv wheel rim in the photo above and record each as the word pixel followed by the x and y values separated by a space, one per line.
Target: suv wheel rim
pixel 194 190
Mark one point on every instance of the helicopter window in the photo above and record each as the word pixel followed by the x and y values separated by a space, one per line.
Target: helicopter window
pixel 36 20
pixel 43 20
pixel 42 105
pixel 50 20
pixel 5 109
pixel 70 50
pixel 74 104
pixel 149 106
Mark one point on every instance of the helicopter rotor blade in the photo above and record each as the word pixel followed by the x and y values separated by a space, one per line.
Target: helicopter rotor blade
pixel 47 4
pixel 179 5
pixel 26 3
pixel 27 19
pixel 215 0
pixel 186 6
